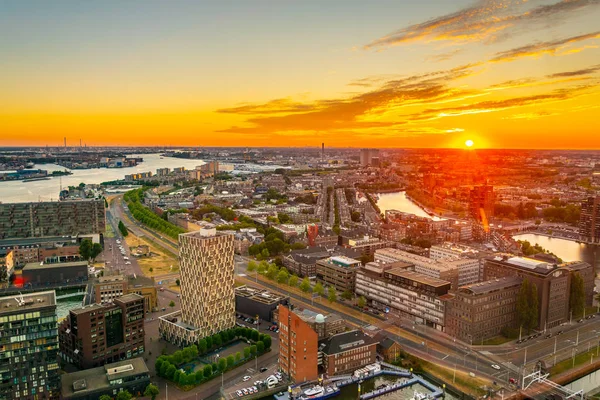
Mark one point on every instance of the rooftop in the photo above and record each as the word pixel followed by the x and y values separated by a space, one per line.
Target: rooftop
pixel 492 285
pixel 417 277
pixel 96 379
pixel 38 266
pixel 29 301
pixel 345 341
pixel 341 261
pixel 86 309
pixel 259 295
pixel 524 263
pixel 129 297
pixel 310 316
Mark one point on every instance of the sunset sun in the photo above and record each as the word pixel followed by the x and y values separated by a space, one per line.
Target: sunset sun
pixel 469 143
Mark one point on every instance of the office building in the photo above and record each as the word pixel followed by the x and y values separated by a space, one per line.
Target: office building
pixel 21 255
pixel 110 287
pixel 254 301
pixel 131 375
pixel 403 293
pixel 344 353
pixel 367 155
pixel 207 288
pixel 552 284
pixel 482 310
pixel 339 272
pixel 37 274
pixel 163 171
pixel 589 220
pixel 29 347
pixel 52 218
pixel 99 334
pixel 324 325
pixel 481 203
pixel 298 347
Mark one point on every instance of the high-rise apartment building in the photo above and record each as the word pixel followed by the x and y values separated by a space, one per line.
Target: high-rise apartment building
pixel 298 346
pixel 207 288
pixel 98 334
pixel 589 221
pixel 481 203
pixel 29 347
pixel 52 218
pixel 367 156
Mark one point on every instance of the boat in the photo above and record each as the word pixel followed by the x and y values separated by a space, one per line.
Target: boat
pixel 35 179
pixel 29 165
pixel 314 391
pixel 419 396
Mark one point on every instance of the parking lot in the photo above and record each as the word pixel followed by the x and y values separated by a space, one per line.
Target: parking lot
pixel 254 379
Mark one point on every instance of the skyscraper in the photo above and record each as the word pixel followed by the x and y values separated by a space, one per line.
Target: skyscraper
pixel 207 288
pixel 29 347
pixel 481 203
pixel 367 155
pixel 589 221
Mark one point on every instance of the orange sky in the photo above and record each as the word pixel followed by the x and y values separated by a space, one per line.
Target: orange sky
pixel 505 73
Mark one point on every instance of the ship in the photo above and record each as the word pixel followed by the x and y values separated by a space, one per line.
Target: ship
pixel 315 391
pixel 29 165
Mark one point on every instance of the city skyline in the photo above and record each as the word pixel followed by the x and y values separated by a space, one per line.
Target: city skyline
pixel 505 74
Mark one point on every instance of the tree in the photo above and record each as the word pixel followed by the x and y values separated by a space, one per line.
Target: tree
pixel 523 305
pixel 177 282
pixel 85 249
pixel 533 306
pixel 177 377
pixel 209 342
pixel 202 346
pixel 95 251
pixel 124 395
pixel 157 364
pixel 346 294
pixel 319 289
pixel 332 295
pixel 171 371
pixel 293 281
pixel 199 375
pixel 123 229
pixel 305 285
pixel 105 397
pixel 272 272
pixel 265 253
pixel 222 364
pixel 252 266
pixel 238 356
pixel 208 371
pixel 217 340
pixel 266 339
pixel 246 352
pixel 262 267
pixel 260 346
pixel 172 304
pixel 230 361
pixel 163 369
pixel 577 295
pixel 282 276
pixel 253 349
pixel 254 335
pixel 362 302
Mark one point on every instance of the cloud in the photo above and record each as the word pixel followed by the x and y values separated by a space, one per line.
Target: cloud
pixel 532 115
pixel 444 56
pixel 358 112
pixel 483 22
pixel 579 72
pixel 541 48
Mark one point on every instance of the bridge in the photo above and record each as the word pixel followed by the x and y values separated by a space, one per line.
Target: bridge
pixel 67 295
pixel 539 377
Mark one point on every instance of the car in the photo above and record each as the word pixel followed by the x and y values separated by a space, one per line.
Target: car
pixel 255 389
pixel 252 390
pixel 277 330
pixel 512 380
pixel 278 374
pixel 164 309
pixel 580 321
pixel 495 366
pixel 178 296
pixel 247 378
pixel 245 391
pixel 257 383
pixel 520 341
pixel 239 393
pixel 127 262
pixel 263 369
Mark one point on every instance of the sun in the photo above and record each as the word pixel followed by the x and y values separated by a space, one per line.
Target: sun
pixel 469 143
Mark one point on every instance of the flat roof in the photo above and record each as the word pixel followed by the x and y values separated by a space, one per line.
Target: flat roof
pixel 417 277
pixel 86 309
pixel 95 379
pixel 42 265
pixel 526 264
pixel 492 285
pixel 26 302
pixel 129 297
pixel 259 295
pixel 35 240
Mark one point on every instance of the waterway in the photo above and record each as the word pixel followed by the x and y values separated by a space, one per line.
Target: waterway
pixel 399 201
pixel 63 306
pixel 568 250
pixel 351 392
pixel 588 383
pixel 45 190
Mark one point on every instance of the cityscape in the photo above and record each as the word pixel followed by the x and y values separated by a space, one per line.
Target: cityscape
pixel 300 200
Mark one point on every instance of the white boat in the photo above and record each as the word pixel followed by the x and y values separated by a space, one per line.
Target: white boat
pixel 419 396
pixel 314 391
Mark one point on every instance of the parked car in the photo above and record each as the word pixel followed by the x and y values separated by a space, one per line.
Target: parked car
pixel 495 366
pixel 263 369
pixel 239 393
pixel 245 391
pixel 247 378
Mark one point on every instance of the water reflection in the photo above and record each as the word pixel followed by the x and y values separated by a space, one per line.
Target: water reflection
pixel 399 201
pixel 568 250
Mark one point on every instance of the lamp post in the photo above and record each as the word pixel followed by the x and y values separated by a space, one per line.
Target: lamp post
pixel 573 352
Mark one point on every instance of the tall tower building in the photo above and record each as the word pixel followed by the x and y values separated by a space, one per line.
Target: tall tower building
pixel 298 351
pixel 207 288
pixel 481 203
pixel 367 155
pixel 29 347
pixel 589 221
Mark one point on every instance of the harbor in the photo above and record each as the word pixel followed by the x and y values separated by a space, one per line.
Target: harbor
pixel 367 383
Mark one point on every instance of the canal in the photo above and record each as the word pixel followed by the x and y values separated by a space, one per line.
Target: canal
pixel 568 250
pixel 63 306
pixel 399 201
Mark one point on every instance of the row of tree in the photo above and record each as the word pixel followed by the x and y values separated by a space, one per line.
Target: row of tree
pixel 527 306
pixel 169 367
pixel 89 251
pixel 123 229
pixel 147 217
pixel 282 276
pixel 151 391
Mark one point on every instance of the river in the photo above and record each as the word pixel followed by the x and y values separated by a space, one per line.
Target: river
pixel 45 190
pixel 588 383
pixel 399 201
pixel 568 250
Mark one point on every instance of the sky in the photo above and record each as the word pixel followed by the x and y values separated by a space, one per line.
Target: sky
pixel 381 73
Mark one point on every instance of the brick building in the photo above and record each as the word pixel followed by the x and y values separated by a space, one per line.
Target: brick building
pixel 298 347
pixel 346 352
